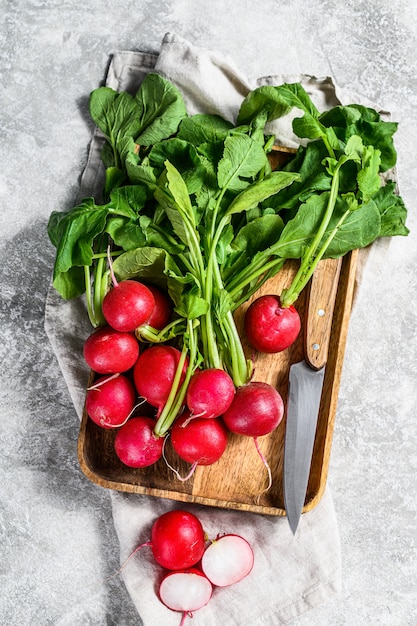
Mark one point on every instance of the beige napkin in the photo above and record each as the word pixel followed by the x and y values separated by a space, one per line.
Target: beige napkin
pixel 291 574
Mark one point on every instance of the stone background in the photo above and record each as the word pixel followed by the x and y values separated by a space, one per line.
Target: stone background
pixel 58 543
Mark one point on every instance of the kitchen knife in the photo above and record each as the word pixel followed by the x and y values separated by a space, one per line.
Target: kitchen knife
pixel 305 387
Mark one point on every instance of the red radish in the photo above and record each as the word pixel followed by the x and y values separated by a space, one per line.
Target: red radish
pixel 210 393
pixel 199 441
pixel 256 410
pixel 162 311
pixel 269 327
pixel 108 351
pixel 177 540
pixel 135 443
pixel 154 373
pixel 227 560
pixel 185 591
pixel 127 305
pixel 110 400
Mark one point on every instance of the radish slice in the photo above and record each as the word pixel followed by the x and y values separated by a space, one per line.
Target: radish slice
pixel 227 560
pixel 185 591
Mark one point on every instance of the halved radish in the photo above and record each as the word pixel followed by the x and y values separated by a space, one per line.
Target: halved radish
pixel 227 560
pixel 185 591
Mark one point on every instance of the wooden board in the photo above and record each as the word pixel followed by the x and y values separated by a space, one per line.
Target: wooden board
pixel 238 478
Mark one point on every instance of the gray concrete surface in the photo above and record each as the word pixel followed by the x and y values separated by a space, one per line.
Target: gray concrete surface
pixel 58 544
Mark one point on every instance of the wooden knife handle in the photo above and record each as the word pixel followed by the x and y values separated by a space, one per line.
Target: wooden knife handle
pixel 320 307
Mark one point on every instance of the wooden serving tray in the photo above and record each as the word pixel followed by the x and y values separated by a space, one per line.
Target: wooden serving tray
pixel 238 478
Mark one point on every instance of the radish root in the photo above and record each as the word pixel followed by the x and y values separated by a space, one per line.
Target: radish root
pixel 96 386
pixel 105 424
pixel 268 469
pixel 142 545
pixel 183 479
pixel 184 617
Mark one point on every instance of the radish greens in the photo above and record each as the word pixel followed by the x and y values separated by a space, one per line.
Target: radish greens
pixel 191 205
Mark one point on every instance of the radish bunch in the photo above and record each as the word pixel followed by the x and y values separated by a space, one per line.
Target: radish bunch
pixel 197 406
pixel 193 565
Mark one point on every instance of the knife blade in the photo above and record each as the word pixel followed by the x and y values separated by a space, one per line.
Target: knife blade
pixel 305 387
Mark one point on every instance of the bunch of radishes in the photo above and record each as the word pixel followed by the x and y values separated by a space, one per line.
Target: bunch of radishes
pixel 179 544
pixel 130 372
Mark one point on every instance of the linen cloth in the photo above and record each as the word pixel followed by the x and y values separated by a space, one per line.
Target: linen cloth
pixel 291 574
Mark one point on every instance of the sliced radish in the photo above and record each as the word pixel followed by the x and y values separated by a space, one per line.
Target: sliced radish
pixel 227 560
pixel 185 591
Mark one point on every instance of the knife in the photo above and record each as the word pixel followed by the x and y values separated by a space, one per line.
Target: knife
pixel 305 387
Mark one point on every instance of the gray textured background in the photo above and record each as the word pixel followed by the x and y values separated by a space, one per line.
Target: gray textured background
pixel 58 544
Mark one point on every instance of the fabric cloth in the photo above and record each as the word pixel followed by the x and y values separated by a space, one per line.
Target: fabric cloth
pixel 291 574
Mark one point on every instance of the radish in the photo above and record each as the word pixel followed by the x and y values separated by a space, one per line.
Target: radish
pixel 270 327
pixel 110 401
pixel 256 410
pixel 135 443
pixel 197 440
pixel 154 373
pixel 210 393
pixel 162 311
pixel 108 351
pixel 127 305
pixel 177 540
pixel 185 591
pixel 227 560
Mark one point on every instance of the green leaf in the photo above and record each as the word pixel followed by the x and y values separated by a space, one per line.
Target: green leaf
pixel 116 114
pixel 368 177
pixel 242 159
pixel 172 194
pixel 178 189
pixel 141 174
pixel 313 177
pixel 161 109
pixel 70 284
pixel 360 228
pixel 260 190
pixel 73 233
pixel 185 159
pixel 192 305
pixel 128 200
pixel 126 233
pixel 223 244
pixel 300 230
pixel 392 211
pixel 256 236
pixel 356 119
pixel 114 177
pixel 202 128
pixel 159 237
pixel 259 234
pixel 267 99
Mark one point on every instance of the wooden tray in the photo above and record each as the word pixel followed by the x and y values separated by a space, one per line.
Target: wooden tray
pixel 238 478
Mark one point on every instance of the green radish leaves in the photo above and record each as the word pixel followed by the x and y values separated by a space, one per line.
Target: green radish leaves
pixel 242 159
pixel 191 204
